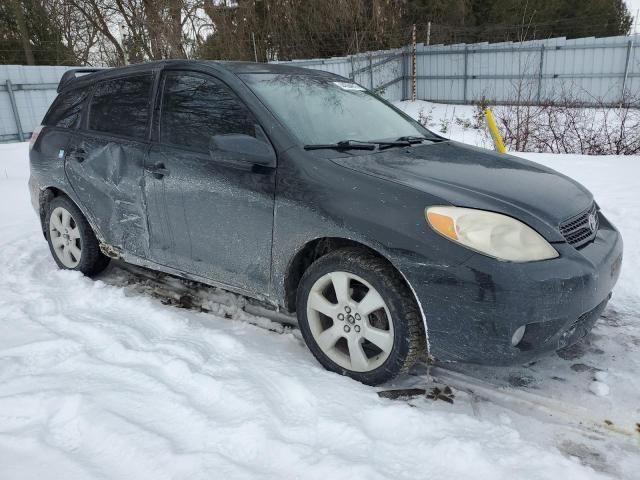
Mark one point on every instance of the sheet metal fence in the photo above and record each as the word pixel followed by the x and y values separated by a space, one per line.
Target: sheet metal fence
pixel 591 71
pixel 25 95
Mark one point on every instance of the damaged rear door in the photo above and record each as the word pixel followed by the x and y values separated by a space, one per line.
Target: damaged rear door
pixel 104 162
pixel 210 212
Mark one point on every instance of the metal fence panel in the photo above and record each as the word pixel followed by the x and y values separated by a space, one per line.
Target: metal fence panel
pixel 33 88
pixel 590 71
pixel 380 71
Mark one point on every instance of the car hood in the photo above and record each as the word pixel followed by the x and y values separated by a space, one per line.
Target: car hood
pixel 472 177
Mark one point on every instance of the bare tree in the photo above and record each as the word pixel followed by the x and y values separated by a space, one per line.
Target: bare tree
pixel 99 14
pixel 80 35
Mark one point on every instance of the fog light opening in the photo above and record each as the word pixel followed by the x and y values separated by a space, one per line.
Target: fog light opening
pixel 518 335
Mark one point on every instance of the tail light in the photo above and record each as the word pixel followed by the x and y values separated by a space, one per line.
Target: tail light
pixel 34 136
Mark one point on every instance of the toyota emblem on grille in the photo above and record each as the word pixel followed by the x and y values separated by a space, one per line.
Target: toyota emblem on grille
pixel 593 225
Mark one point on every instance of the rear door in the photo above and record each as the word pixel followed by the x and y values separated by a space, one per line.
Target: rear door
pixel 105 159
pixel 211 215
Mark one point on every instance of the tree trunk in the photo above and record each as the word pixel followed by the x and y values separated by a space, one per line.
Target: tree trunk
pixel 175 29
pixel 24 32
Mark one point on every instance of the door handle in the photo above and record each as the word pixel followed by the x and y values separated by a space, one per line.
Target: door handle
pixel 77 154
pixel 158 170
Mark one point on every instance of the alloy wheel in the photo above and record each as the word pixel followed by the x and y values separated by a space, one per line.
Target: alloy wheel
pixel 65 237
pixel 350 321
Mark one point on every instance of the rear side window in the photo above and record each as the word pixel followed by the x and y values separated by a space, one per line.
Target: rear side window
pixel 121 106
pixel 67 108
pixel 195 107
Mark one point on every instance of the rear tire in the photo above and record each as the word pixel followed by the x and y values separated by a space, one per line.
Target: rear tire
pixel 72 242
pixel 358 317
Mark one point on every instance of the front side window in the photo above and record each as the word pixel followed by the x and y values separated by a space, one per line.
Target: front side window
pixel 320 110
pixel 195 107
pixel 67 109
pixel 121 106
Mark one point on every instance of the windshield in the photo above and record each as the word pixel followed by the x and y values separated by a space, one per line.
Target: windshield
pixel 320 110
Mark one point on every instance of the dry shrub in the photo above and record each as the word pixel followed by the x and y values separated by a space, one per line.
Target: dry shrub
pixel 564 127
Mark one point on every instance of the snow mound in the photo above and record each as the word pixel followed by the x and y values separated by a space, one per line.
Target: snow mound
pixel 600 389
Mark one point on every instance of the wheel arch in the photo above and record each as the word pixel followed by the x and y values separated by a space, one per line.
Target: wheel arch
pixel 319 247
pixel 46 195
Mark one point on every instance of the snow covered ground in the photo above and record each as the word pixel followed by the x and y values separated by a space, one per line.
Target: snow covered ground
pixel 101 379
pixel 452 121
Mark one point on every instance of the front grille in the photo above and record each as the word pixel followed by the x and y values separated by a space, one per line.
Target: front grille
pixel 580 230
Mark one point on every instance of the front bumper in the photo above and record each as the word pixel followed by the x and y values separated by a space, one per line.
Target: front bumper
pixel 473 309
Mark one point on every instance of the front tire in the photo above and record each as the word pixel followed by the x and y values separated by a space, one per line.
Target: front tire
pixel 358 317
pixel 72 242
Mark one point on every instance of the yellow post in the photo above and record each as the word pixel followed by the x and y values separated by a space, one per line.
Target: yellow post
pixel 495 134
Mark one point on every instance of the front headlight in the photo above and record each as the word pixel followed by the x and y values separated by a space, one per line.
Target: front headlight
pixel 489 233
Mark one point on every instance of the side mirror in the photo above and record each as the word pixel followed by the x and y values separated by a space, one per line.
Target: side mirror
pixel 242 148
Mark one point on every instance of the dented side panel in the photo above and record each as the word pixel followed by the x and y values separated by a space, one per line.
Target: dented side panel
pixel 106 175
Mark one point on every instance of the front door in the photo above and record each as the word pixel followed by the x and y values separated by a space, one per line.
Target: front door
pixel 211 215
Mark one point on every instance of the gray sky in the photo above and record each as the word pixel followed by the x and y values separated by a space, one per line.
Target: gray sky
pixel 634 6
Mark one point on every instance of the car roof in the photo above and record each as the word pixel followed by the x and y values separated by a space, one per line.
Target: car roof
pixel 237 68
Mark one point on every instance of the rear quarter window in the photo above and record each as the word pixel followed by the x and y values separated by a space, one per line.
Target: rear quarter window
pixel 67 109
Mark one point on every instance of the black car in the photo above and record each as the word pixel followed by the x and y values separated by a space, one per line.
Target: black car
pixel 303 190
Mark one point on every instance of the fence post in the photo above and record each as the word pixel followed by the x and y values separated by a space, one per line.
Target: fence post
pixel 352 75
pixel 255 51
pixel 540 73
pixel 626 69
pixel 464 93
pixel 14 107
pixel 405 77
pixel 414 64
pixel 371 72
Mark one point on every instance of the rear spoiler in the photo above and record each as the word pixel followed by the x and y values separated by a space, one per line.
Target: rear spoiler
pixel 73 74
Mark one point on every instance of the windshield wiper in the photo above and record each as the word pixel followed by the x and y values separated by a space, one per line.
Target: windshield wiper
pixel 412 139
pixel 343 145
pixel 396 143
pixel 405 141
